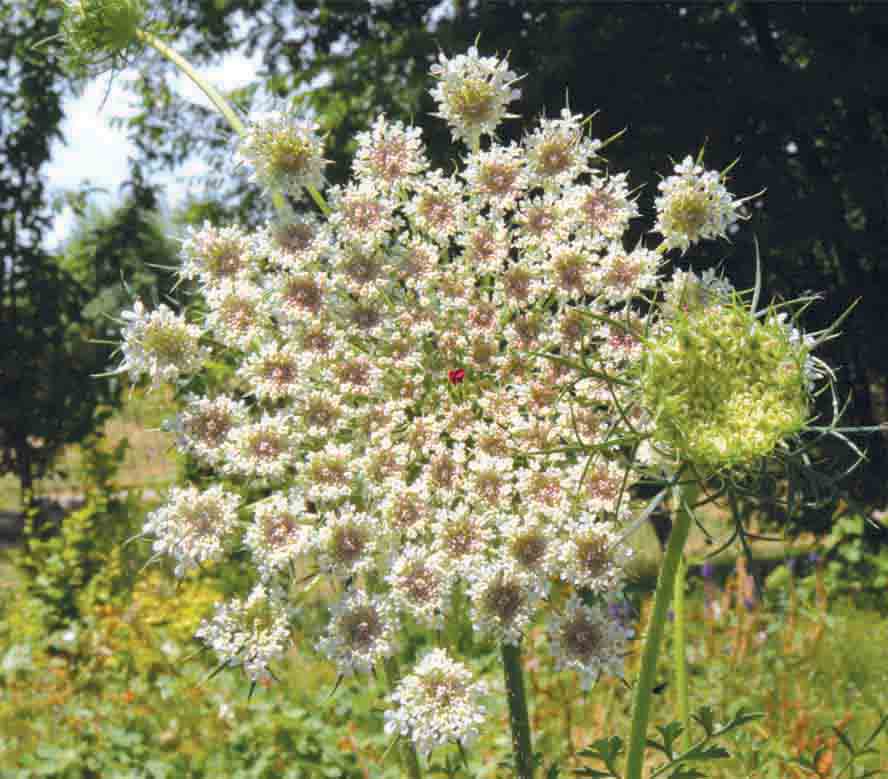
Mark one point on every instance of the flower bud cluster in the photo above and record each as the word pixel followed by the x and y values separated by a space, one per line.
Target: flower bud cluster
pixel 725 386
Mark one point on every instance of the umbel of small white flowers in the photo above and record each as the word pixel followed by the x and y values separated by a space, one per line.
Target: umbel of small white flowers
pixel 446 388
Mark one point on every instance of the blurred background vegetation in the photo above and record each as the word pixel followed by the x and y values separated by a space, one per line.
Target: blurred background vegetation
pixel 798 91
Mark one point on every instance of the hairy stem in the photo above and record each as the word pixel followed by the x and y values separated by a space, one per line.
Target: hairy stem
pixel 518 719
pixel 641 703
pixel 409 758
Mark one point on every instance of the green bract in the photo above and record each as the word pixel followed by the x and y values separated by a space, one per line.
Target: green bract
pixel 724 386
pixel 98 31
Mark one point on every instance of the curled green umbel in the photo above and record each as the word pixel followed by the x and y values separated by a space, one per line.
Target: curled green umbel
pixel 724 386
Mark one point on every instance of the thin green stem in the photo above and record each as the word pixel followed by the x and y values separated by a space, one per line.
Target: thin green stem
pixel 518 719
pixel 222 106
pixel 680 650
pixel 214 96
pixel 409 758
pixel 641 704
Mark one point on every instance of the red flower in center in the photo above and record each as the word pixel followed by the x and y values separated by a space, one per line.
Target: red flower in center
pixel 457 376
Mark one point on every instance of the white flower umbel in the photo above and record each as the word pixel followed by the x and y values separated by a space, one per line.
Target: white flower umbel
pixel 192 526
pixel 531 540
pixel 462 536
pixel 420 585
pixel 262 449
pixel 693 204
pixel 253 632
pixel 293 241
pixel 204 424
pixel 438 703
pixel 281 532
pixel 497 176
pixel 586 640
pixel 160 344
pixel 558 152
pixel 360 634
pixel 235 314
pixel 362 213
pixel 346 543
pixel 624 276
pixel 601 209
pixel 273 373
pixel 503 599
pixel 472 93
pixel 389 154
pixel 592 557
pixel 213 254
pixel 284 151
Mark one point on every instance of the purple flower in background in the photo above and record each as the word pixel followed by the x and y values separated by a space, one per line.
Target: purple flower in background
pixel 708 569
pixel 791 564
pixel 621 611
pixel 813 558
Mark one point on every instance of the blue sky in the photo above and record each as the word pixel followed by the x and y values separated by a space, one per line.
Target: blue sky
pixel 95 151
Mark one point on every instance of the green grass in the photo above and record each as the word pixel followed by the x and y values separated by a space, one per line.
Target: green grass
pixel 806 665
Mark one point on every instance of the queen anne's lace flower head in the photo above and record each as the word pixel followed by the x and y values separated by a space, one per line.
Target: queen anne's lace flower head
pixel 192 526
pixel 160 344
pixel 438 703
pixel 252 633
pixel 284 151
pixel 693 204
pixel 429 395
pixel 472 93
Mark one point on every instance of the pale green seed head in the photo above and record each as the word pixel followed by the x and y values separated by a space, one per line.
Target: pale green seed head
pixel 99 32
pixel 724 387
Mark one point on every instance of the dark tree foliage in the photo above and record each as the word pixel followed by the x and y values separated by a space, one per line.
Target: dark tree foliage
pixel 52 310
pixel 798 91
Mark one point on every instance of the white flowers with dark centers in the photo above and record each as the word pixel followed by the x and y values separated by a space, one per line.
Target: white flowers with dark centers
pixel 193 526
pixel 587 640
pixel 693 205
pixel 361 632
pixel 284 151
pixel 252 633
pixel 472 93
pixel 437 704
pixel 160 344
pixel 410 388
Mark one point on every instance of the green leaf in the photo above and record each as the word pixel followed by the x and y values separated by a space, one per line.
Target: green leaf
pixel 706 718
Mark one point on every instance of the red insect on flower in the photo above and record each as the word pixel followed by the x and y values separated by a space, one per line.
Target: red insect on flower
pixel 457 376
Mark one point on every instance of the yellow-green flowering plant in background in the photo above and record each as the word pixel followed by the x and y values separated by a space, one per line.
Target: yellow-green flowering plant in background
pixel 446 385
